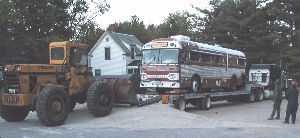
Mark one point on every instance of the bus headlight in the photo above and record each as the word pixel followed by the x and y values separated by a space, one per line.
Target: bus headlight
pixel 144 76
pixel 173 76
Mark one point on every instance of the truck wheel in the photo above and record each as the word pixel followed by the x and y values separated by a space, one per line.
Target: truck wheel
pixel 11 113
pixel 250 98
pixel 53 106
pixel 180 103
pixel 206 103
pixel 195 84
pixel 259 96
pixel 100 99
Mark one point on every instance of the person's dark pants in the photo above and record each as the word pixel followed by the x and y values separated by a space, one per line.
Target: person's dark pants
pixel 291 110
pixel 276 109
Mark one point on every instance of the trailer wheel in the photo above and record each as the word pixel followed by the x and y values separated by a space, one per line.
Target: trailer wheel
pixel 100 99
pixel 53 106
pixel 206 103
pixel 250 98
pixel 11 113
pixel 180 103
pixel 259 96
pixel 196 84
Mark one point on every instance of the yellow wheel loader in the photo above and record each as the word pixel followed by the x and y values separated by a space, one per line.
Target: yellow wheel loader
pixel 52 90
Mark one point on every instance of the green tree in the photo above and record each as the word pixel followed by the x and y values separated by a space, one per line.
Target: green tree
pixel 29 26
pixel 133 27
pixel 287 14
pixel 8 19
pixel 242 25
pixel 37 24
pixel 175 24
pixel 83 13
pixel 90 33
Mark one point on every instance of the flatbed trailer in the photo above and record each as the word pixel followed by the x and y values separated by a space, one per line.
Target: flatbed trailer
pixel 249 93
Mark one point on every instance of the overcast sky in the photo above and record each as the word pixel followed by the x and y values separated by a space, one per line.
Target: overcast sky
pixel 149 11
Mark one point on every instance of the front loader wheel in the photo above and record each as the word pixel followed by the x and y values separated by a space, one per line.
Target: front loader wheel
pixel 11 113
pixel 53 106
pixel 100 99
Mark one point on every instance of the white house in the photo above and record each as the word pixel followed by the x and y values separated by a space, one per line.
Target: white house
pixel 116 54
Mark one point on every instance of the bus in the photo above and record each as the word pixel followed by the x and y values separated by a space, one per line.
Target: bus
pixel 176 63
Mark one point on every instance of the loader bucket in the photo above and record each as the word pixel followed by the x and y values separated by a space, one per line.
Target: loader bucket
pixel 124 86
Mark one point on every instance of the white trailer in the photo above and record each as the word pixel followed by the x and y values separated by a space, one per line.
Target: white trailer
pixel 249 93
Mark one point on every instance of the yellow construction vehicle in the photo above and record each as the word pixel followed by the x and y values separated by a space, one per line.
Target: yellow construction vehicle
pixel 52 90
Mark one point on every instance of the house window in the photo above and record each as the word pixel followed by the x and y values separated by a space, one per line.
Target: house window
pixel 107 39
pixel 107 53
pixel 132 71
pixel 132 52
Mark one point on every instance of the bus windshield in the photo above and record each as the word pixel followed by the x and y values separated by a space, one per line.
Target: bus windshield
pixel 160 56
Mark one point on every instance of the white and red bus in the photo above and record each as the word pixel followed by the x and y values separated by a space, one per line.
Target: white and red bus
pixel 178 63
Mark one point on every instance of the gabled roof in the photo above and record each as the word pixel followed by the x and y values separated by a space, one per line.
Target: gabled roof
pixel 118 38
pixel 134 63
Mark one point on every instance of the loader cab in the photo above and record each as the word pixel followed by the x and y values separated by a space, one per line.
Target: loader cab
pixel 68 53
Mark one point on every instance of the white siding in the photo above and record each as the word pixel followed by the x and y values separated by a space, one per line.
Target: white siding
pixel 115 66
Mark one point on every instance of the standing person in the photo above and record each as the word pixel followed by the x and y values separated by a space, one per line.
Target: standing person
pixel 292 106
pixel 277 98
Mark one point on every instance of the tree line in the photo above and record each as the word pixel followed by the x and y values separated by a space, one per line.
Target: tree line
pixel 267 31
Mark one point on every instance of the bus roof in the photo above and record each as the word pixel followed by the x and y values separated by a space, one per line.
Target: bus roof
pixel 201 46
pixel 219 48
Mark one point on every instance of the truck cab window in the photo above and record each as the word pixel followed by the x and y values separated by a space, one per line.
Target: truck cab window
pixel 57 53
pixel 79 56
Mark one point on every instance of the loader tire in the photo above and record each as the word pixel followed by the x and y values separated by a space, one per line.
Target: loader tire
pixel 53 106
pixel 11 113
pixel 100 99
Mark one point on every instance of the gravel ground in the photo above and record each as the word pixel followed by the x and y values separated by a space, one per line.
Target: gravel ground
pixel 232 119
pixel 155 116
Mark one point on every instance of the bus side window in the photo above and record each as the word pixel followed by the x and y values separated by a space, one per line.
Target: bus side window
pixel 194 56
pixel 216 59
pixel 241 62
pixel 205 58
pixel 200 57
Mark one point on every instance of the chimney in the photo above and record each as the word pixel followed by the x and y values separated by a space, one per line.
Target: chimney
pixel 112 28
